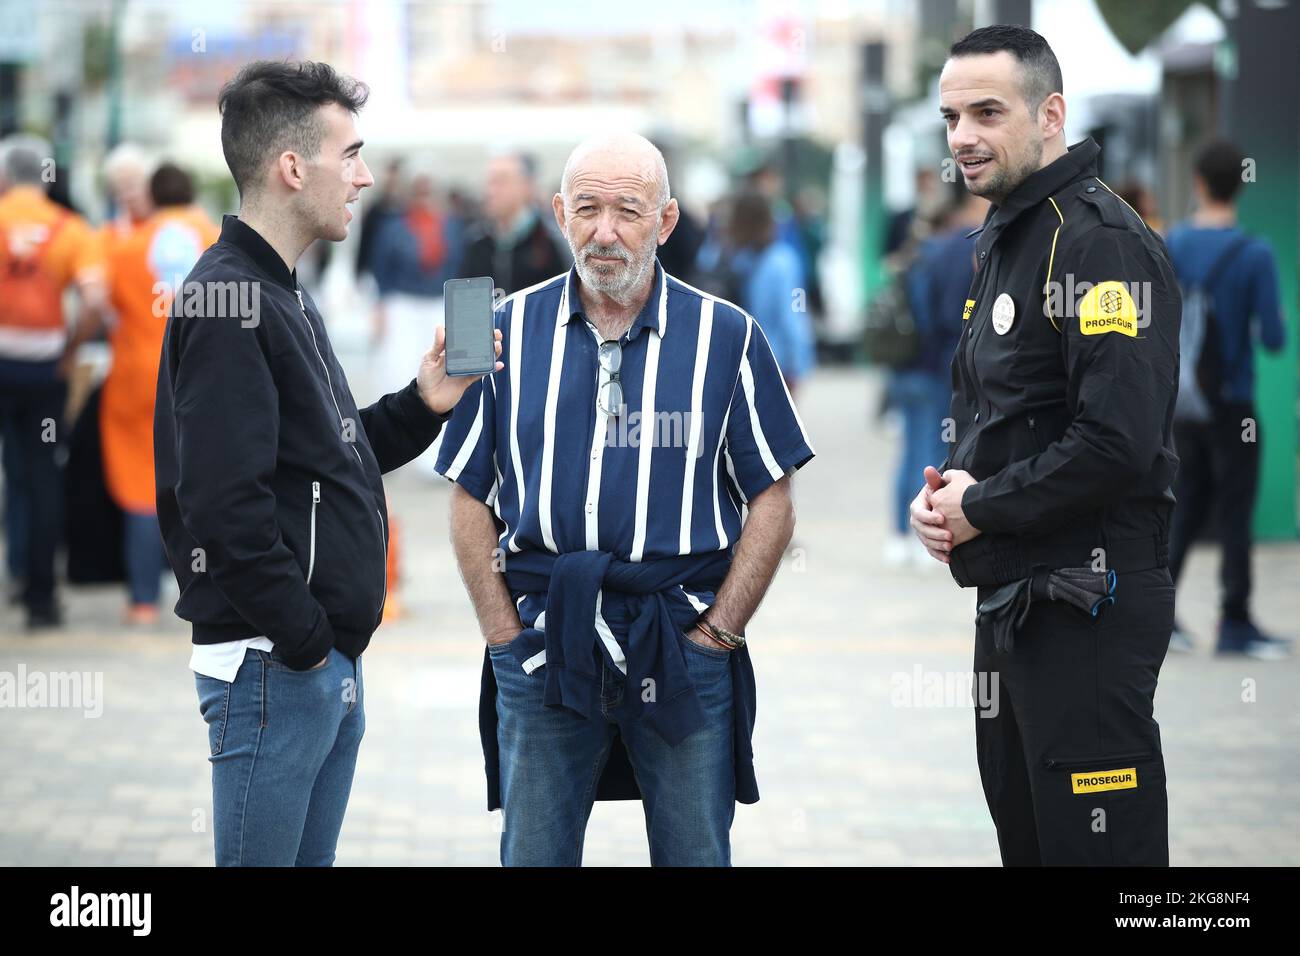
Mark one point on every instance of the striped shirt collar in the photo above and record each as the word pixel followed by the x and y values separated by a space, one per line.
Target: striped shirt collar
pixel 654 314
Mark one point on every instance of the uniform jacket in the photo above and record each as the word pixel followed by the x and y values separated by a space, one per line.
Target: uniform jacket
pixel 1064 382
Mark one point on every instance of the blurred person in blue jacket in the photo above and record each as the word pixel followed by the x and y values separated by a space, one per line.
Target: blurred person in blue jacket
pixel 772 285
pixel 937 285
pixel 1217 439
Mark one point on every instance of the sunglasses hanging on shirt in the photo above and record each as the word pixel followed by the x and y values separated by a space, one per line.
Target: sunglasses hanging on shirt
pixel 609 394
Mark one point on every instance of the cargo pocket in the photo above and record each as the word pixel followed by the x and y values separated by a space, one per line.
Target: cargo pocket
pixel 1088 775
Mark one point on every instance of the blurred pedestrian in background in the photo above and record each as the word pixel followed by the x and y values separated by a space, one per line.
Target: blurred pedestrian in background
pixel 44 249
pixel 377 210
pixel 680 251
pixel 809 213
pixel 144 270
pixel 1230 303
pixel 937 283
pixel 127 168
pixel 1139 196
pixel 712 269
pixel 512 244
pixel 93 523
pixel 927 201
pixel 411 260
pixel 771 284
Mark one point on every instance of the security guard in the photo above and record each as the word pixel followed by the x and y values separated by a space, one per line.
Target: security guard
pixel 1055 500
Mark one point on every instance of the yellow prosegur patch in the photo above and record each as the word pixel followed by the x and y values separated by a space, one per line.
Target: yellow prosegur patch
pixel 970 307
pixel 1108 307
pixel 1099 780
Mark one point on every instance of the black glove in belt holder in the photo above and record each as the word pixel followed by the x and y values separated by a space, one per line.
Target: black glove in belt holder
pixel 1007 607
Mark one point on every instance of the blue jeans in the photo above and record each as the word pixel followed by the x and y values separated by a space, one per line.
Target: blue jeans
pixel 142 541
pixel 283 748
pixel 923 399
pixel 552 757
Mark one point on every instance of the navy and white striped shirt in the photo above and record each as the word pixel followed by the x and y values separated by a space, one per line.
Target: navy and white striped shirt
pixel 708 424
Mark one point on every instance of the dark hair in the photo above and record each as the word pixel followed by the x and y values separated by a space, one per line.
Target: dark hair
pixel 750 224
pixel 1219 166
pixel 1040 74
pixel 171 186
pixel 271 106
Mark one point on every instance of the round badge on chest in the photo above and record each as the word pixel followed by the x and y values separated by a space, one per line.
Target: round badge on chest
pixel 1004 314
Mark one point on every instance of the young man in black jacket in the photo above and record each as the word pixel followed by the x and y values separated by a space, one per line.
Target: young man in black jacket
pixel 268 475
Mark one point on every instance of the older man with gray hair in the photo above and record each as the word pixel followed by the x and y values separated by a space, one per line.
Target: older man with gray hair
pixel 622 501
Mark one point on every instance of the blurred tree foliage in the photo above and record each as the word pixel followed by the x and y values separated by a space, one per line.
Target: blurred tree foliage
pixel 96 53
pixel 1136 24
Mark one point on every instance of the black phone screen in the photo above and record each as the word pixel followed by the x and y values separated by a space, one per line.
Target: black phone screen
pixel 469 326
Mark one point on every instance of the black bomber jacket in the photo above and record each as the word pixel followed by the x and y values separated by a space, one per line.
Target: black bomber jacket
pixel 268 475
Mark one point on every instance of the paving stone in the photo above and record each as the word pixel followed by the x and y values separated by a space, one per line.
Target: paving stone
pixel 846 775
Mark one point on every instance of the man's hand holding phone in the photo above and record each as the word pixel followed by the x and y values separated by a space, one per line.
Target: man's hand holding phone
pixel 440 391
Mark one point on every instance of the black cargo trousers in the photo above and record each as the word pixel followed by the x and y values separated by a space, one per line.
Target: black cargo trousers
pixel 1069 749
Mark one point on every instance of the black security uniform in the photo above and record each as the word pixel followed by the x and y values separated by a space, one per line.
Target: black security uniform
pixel 1064 384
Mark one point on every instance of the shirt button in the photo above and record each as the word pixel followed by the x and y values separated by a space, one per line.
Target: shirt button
pixel 983 254
pixel 977 416
pixel 1091 189
pixel 590 507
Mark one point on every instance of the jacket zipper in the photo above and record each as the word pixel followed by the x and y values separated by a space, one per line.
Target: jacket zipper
pixel 966 360
pixel 311 548
pixel 383 534
pixel 1083 763
pixel 328 381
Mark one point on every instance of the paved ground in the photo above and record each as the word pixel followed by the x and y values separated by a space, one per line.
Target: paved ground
pixel 847 776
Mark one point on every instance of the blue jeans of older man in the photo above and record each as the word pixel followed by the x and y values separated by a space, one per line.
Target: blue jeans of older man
pixel 552 757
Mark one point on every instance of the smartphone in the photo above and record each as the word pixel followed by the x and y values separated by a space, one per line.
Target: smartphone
pixel 471 345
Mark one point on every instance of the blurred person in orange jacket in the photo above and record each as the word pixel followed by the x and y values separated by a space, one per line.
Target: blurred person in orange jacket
pixel 144 269
pixel 44 249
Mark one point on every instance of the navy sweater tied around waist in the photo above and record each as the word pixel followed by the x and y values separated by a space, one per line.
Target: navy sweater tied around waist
pixel 569 654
